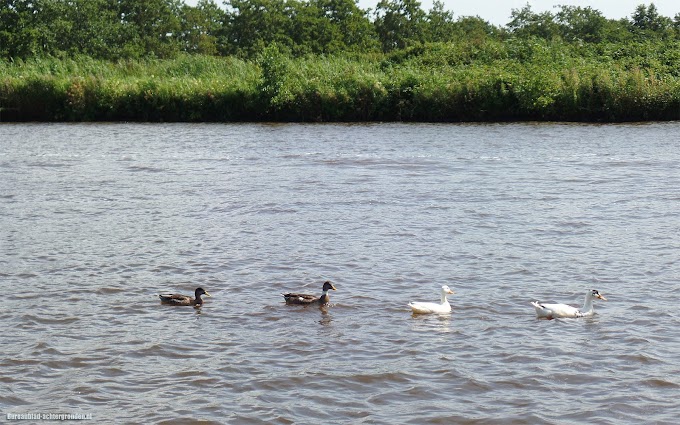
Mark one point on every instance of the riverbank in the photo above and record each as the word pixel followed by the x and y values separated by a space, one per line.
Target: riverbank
pixel 441 83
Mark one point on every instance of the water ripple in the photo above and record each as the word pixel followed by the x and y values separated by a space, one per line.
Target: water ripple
pixel 93 225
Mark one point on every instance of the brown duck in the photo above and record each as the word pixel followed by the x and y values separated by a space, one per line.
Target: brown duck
pixel 178 299
pixel 310 299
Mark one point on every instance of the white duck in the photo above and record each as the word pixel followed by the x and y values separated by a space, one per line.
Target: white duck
pixel 442 307
pixel 552 311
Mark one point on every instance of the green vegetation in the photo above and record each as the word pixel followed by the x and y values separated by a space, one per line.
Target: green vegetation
pixel 187 88
pixel 328 60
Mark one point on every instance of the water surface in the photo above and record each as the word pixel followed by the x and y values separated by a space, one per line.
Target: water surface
pixel 96 219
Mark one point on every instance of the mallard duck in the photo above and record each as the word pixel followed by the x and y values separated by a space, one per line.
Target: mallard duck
pixel 442 307
pixel 552 311
pixel 178 299
pixel 310 299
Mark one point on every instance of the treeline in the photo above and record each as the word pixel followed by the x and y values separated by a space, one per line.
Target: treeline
pixel 133 29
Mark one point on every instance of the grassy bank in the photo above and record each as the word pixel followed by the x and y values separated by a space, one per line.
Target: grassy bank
pixel 186 89
pixel 440 83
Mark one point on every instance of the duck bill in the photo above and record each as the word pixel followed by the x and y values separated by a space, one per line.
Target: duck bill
pixel 602 298
pixel 450 292
pixel 207 294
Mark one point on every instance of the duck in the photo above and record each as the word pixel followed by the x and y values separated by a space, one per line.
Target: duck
pixel 441 307
pixel 552 311
pixel 292 298
pixel 179 299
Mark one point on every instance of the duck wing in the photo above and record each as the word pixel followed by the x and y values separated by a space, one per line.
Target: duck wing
pixel 425 308
pixel 292 298
pixel 176 299
pixel 556 310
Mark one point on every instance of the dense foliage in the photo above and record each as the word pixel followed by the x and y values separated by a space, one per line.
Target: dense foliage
pixel 329 60
pixel 130 29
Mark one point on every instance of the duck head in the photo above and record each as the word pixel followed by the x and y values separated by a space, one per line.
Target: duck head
pixel 201 291
pixel 327 286
pixel 594 293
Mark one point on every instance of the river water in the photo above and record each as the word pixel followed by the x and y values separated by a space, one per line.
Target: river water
pixel 97 219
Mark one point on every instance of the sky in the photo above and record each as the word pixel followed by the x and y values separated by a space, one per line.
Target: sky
pixel 497 12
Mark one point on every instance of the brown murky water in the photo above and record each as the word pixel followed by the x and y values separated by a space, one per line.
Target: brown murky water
pixel 97 219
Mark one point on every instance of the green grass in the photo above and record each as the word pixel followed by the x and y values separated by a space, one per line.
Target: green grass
pixel 186 89
pixel 488 81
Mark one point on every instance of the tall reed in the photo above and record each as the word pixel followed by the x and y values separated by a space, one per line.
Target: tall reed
pixel 493 81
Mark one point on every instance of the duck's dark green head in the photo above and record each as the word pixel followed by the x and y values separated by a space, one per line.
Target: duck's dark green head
pixel 201 291
pixel 327 285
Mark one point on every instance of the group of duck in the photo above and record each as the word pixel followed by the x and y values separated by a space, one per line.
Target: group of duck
pixel 543 310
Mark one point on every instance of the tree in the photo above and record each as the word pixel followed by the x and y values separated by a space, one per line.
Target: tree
pixel 106 29
pixel 353 25
pixel 299 27
pixel 647 18
pixel 439 23
pixel 254 24
pixel 399 23
pixel 18 36
pixel 94 29
pixel 525 23
pixel 33 28
pixel 200 27
pixel 475 28
pixel 311 31
pixel 155 25
pixel 581 23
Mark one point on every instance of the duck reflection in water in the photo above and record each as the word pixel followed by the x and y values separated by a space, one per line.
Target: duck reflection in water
pixel 437 323
pixel 326 317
